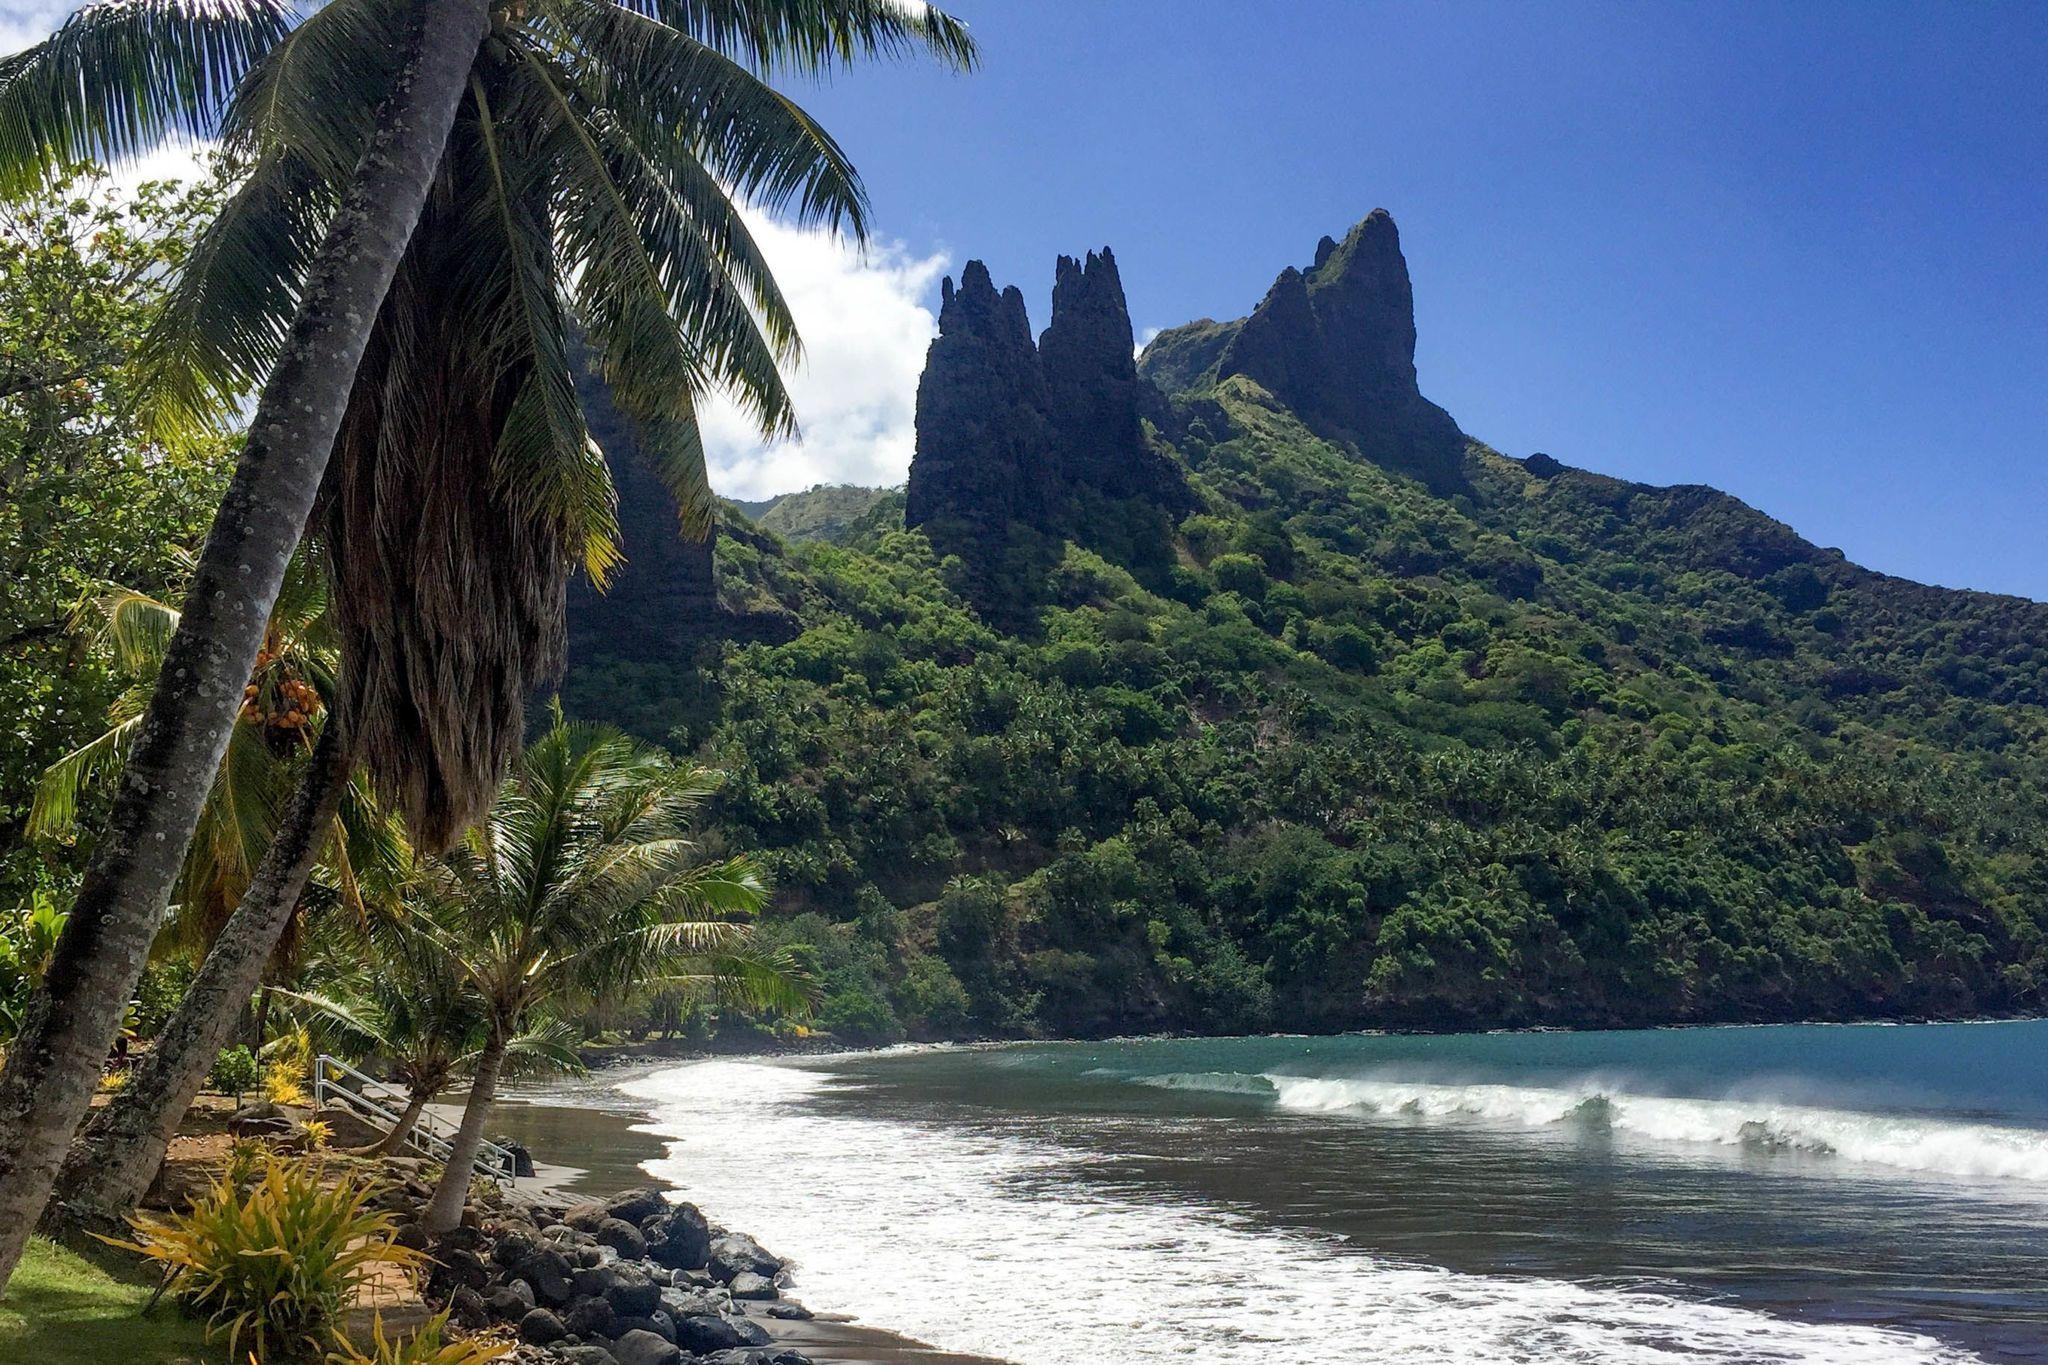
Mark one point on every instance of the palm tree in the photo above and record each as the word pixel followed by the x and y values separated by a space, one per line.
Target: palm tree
pixel 580 882
pixel 123 1144
pixel 410 1010
pixel 602 144
pixel 118 76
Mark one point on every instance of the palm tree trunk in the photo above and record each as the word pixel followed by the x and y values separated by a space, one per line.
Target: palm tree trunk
pixel 55 1063
pixel 393 1142
pixel 444 1210
pixel 112 1164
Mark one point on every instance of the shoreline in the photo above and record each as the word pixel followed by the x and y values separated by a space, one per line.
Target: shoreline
pixel 589 1141
pixel 606 1057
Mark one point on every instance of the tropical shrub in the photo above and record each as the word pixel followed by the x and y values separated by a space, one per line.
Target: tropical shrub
pixel 235 1071
pixel 272 1267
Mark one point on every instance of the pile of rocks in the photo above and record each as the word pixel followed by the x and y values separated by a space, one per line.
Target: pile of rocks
pixel 631 1280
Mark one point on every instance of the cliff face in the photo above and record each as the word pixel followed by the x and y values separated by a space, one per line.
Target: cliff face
pixel 1009 434
pixel 1335 343
pixel 983 459
pixel 1091 379
pixel 663 599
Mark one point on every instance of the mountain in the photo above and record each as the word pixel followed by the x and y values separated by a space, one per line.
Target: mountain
pixel 1303 710
pixel 828 511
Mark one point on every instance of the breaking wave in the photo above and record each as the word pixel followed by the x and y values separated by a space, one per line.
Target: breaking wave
pixel 1904 1143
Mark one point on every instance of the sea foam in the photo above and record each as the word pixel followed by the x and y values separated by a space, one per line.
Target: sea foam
pixel 989 1242
pixel 1900 1143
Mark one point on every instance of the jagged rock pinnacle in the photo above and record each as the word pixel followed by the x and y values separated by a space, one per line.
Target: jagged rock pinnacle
pixel 1337 345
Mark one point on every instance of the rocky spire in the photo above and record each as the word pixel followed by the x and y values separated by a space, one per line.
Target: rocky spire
pixel 984 456
pixel 1337 345
pixel 1091 380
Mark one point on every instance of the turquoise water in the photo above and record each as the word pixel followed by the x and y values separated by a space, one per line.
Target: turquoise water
pixel 1822 1194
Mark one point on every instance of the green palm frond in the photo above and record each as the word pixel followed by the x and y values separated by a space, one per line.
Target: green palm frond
pixel 362 1030
pixel 121 75
pixel 135 627
pixel 749 135
pixel 815 35
pixel 317 92
pixel 222 326
pixel 754 979
pixel 54 811
pixel 552 1045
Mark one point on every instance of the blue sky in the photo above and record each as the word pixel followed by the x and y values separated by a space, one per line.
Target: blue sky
pixel 1796 251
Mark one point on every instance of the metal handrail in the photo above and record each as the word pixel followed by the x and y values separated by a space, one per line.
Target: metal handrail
pixel 431 1136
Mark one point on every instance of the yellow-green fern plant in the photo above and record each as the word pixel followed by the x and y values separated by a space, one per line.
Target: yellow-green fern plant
pixel 424 1347
pixel 272 1267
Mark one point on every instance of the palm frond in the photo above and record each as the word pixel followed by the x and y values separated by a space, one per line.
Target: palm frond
pixel 136 627
pixel 745 132
pixel 54 811
pixel 224 322
pixel 317 93
pixel 121 75
pixel 552 1045
pixel 815 35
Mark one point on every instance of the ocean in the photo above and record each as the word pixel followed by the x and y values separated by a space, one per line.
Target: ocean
pixel 1841 1195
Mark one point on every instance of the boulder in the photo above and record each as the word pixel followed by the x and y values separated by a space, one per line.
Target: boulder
pixel 646 1348
pixel 510 1301
pixel 586 1353
pixel 659 1323
pixel 467 1307
pixel 459 1266
pixel 512 1248
pixel 632 1293
pixel 735 1253
pixel 680 1303
pixel 590 1317
pixel 748 1285
pixel 541 1328
pixel 346 1128
pixel 548 1271
pixel 789 1312
pixel 680 1238
pixel 586 1217
pixel 622 1237
pixel 637 1206
pixel 706 1332
pixel 264 1119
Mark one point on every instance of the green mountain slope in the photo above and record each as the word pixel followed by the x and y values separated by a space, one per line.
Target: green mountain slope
pixel 1338 751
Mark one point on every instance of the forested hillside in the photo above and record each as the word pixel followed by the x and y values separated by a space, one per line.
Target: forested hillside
pixel 1298 719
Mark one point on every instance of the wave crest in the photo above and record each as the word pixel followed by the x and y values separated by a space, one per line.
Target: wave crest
pixel 1919 1145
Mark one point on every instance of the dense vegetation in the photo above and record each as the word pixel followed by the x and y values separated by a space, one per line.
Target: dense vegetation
pixel 1338 752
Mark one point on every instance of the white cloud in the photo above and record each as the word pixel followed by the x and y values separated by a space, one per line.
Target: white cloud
pixel 865 328
pixel 24 23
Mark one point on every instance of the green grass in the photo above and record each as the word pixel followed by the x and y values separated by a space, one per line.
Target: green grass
pixel 63 1309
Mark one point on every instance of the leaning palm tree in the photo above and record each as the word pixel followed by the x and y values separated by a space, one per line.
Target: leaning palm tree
pixel 580 882
pixel 273 743
pixel 603 143
pixel 118 76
